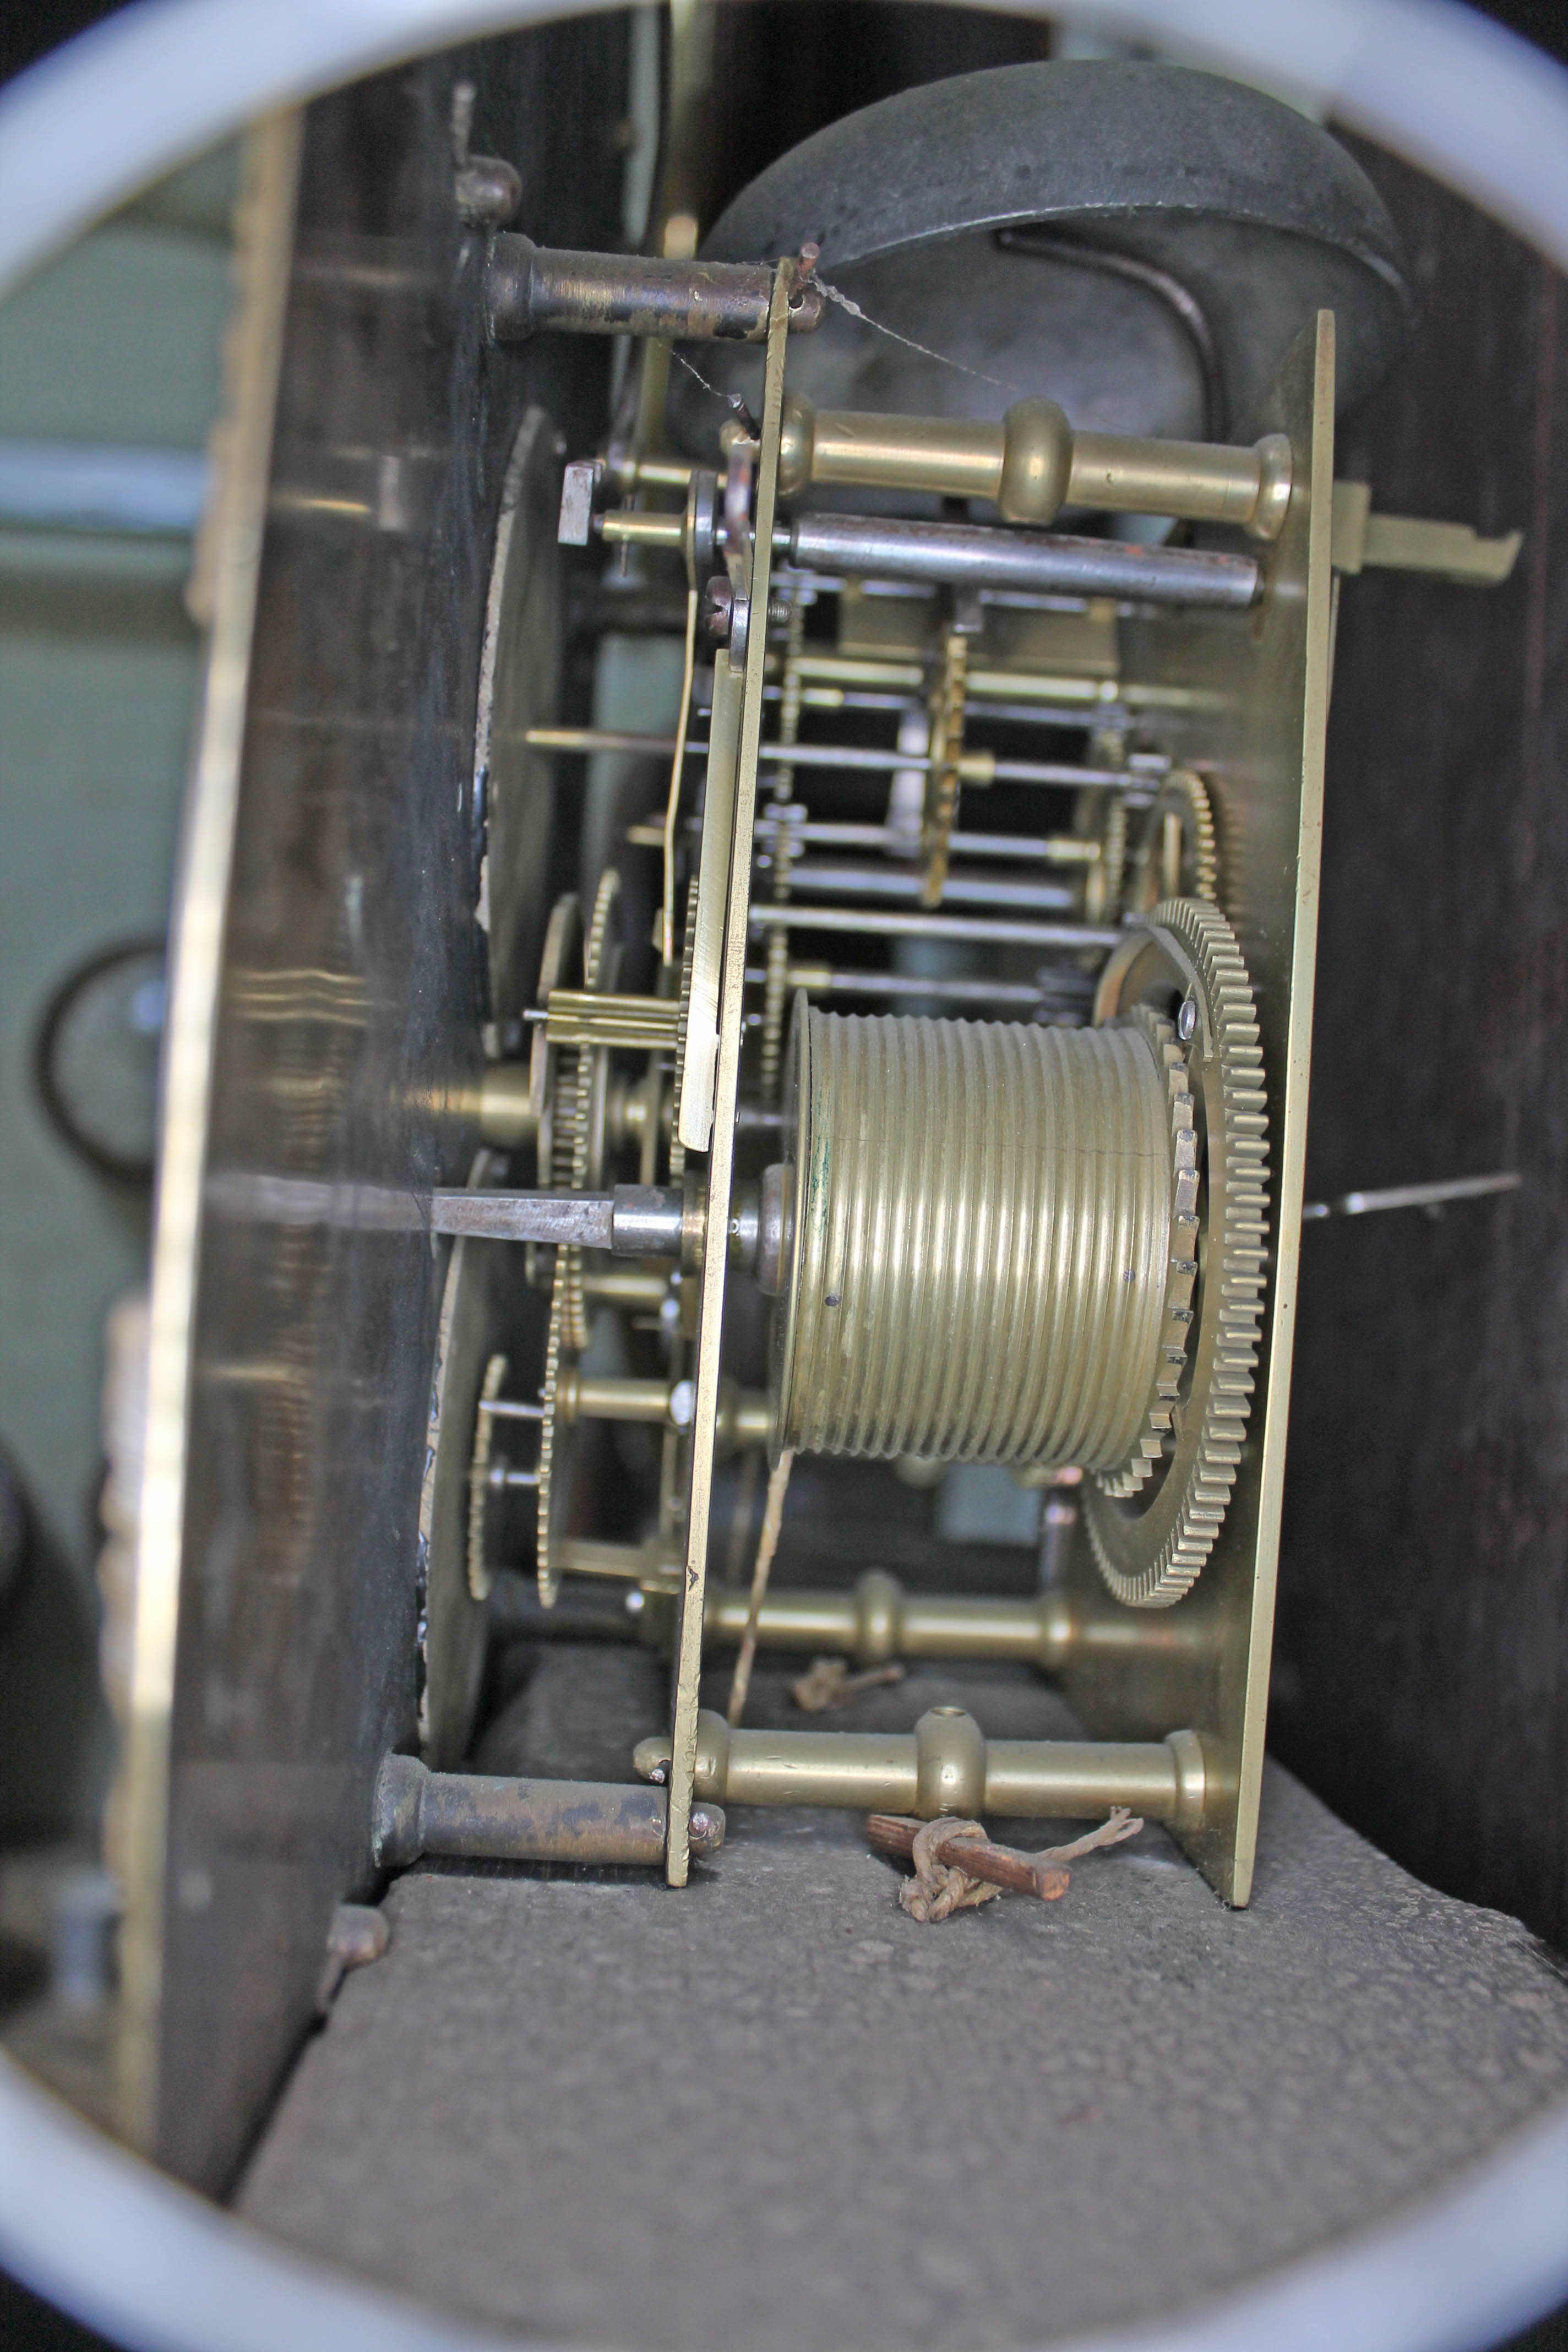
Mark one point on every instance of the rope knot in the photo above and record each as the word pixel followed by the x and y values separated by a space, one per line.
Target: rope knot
pixel 938 1889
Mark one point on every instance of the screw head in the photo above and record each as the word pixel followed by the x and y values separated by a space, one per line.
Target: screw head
pixel 1187 1020
pixel 718 610
pixel 488 191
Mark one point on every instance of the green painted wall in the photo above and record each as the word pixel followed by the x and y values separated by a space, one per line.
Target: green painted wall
pixel 118 342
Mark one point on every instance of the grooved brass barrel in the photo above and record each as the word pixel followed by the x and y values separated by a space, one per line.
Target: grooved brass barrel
pixel 981 1243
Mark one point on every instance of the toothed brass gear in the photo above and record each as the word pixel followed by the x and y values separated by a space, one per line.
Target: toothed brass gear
pixel 1100 817
pixel 578 1129
pixel 1150 1543
pixel 1183 797
pixel 775 981
pixel 578 1143
pixel 549 1573
pixel 601 947
pixel 545 1093
pixel 939 811
pixel 601 969
pixel 687 957
pixel 1181 1265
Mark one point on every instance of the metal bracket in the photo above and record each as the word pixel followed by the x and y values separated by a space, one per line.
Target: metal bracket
pixel 730 978
pixel 1364 541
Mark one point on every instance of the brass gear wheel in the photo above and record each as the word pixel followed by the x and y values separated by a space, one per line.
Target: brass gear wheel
pixel 577 1144
pixel 1151 1539
pixel 601 970
pixel 1101 815
pixel 940 810
pixel 560 937
pixel 1182 797
pixel 549 1571
pixel 687 956
pixel 577 1129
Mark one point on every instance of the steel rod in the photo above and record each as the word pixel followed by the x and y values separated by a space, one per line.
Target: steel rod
pixel 820 979
pixel 1058 773
pixel 1064 716
pixel 1049 849
pixel 1413 1196
pixel 480 1817
pixel 584 1218
pixel 869 757
pixel 1060 716
pixel 635 1219
pixel 813 878
pixel 971 555
pixel 868 920
pixel 975 768
pixel 530 288
pixel 607 739
pixel 974 557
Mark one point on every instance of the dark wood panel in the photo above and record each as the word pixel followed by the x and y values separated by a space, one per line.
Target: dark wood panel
pixel 351 999
pixel 1421 1680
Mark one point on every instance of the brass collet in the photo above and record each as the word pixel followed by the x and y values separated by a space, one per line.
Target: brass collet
pixel 877 1620
pixel 1032 464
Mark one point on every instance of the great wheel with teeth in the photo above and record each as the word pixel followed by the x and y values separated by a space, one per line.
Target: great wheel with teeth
pixel 1154 1521
pixel 577 1160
